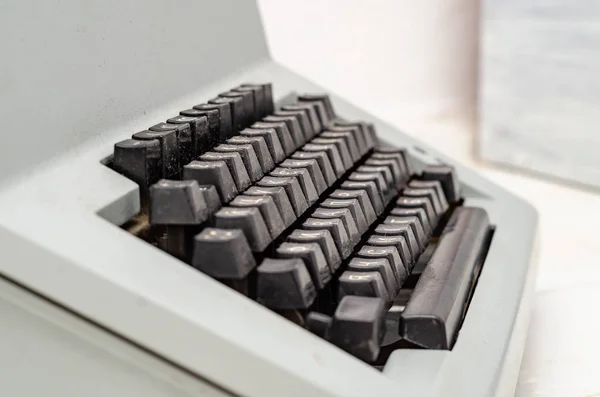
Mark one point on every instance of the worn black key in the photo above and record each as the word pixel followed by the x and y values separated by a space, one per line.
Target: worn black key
pixel 435 309
pixel 360 132
pixel 238 112
pixel 346 216
pixel 429 193
pixel 140 161
pixel 169 151
pixel 341 146
pixel 292 189
pixel 248 156
pixel 447 177
pixel 323 162
pixel 313 258
pixel 319 109
pixel 436 186
pixel 310 111
pixel 337 230
pixel 358 326
pixel 225 117
pixel 398 153
pixel 267 89
pixel 304 179
pixel 324 239
pixel 419 202
pixel 260 105
pixel 401 245
pixel 363 198
pixel 183 133
pixel 414 223
pixel 371 188
pixel 318 324
pixel 284 284
pixel 303 120
pixel 283 133
pixel 383 170
pixel 376 177
pixel 212 173
pixel 271 139
pixel 223 254
pixel 293 127
pixel 235 164
pixel 250 221
pixel 177 203
pixel 260 148
pixel 213 119
pixel 419 213
pixel 391 254
pixel 268 209
pixel 280 197
pixel 382 267
pixel 211 198
pixel 324 99
pixel 353 206
pixel 312 166
pixel 332 152
pixel 199 133
pixel 386 229
pixel 362 284
pixel 247 101
pixel 348 137
pixel 392 165
pixel 368 135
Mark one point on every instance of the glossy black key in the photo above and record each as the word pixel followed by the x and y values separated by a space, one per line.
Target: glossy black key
pixel 324 164
pixel 345 215
pixel 271 139
pixel 183 133
pixel 322 98
pixel 324 239
pixel 362 284
pixel 435 309
pixel 211 198
pixel 199 134
pixel 140 161
pixel 283 133
pixel 360 132
pixel 382 267
pixel 397 153
pixel 292 189
pixel 368 135
pixel 332 152
pixel 213 119
pixel 260 148
pixel 371 188
pixel 225 118
pixel 280 197
pixel 392 165
pixel 234 163
pixel 376 177
pixel 260 105
pixel 268 209
pixel 304 179
pixel 223 254
pixel 348 138
pixel 238 112
pixel 385 229
pixel 414 223
pixel 337 230
pixel 303 119
pixel 313 258
pixel 358 326
pixel 391 254
pixel 248 156
pixel 293 127
pixel 312 166
pixel 169 151
pixel 341 146
pixel 250 221
pixel 353 206
pixel 384 171
pixel 436 186
pixel 318 324
pixel 363 198
pixel 177 203
pixel 429 193
pixel 447 177
pixel 248 102
pixel 397 241
pixel 399 158
pixel 284 284
pixel 311 112
pixel 419 202
pixel 212 173
pixel 419 213
pixel 267 89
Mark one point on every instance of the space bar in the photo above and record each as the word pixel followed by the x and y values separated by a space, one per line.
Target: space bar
pixel 435 308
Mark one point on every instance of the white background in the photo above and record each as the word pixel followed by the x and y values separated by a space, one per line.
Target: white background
pixel 413 63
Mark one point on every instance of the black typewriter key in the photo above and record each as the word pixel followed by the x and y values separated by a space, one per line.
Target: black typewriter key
pixel 267 89
pixel 292 189
pixel 398 153
pixel 447 177
pixel 324 99
pixel 211 197
pixel 384 171
pixel 378 265
pixel 303 120
pixel 414 223
pixel 250 221
pixel 436 186
pixel 293 127
pixel 223 254
pixel 248 103
pixel 249 158
pixel 268 209
pixel 313 258
pixel 284 284
pixel 341 146
pixel 234 163
pixel 212 173
pixel 283 133
pixel 397 241
pixel 200 134
pixel 322 160
pixel 371 188
pixel 332 152
pixel 353 206
pixel 183 132
pixel 319 109
pixel 393 167
pixel 429 193
pixel 362 284
pixel 311 112
pixel 348 137
pixel 238 112
pixel 312 166
pixel 169 149
pixel 419 213
pixel 304 179
pixel 346 216
pixel 337 230
pixel 271 139
pixel 260 105
pixel 376 177
pixel 318 324
pixel 401 230
pixel 280 197
pixel 324 239
pixel 214 121
pixel 391 254
pixel 226 129
pixel 418 202
pixel 363 198
pixel 140 161
pixel 260 148
pixel 368 136
pixel 177 203
pixel 363 145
